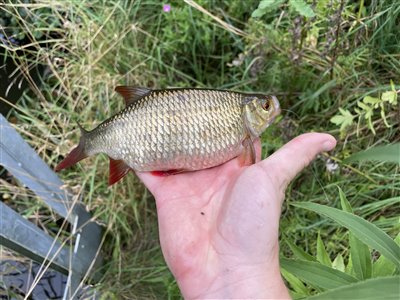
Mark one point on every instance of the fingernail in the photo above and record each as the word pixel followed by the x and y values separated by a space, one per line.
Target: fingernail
pixel 328 145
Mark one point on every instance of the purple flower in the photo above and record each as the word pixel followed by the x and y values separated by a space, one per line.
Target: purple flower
pixel 166 8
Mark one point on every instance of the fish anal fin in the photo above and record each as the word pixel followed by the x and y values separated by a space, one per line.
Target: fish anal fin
pixel 132 94
pixel 167 172
pixel 248 156
pixel 118 169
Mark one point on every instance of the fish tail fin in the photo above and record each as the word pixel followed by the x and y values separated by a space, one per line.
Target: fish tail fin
pixel 77 154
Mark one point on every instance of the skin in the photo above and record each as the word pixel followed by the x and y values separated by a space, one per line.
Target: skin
pixel 219 227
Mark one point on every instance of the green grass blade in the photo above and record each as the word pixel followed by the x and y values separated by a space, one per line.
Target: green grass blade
pixel 346 206
pixel 297 285
pixel 316 274
pixel 338 263
pixel 360 255
pixel 361 258
pixel 389 153
pixel 299 253
pixel 373 207
pixel 365 231
pixel 322 255
pixel 383 266
pixel 379 288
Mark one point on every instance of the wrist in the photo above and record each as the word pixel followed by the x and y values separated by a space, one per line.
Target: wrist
pixel 251 282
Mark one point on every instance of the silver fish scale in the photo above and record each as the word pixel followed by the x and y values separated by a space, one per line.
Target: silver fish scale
pixel 174 129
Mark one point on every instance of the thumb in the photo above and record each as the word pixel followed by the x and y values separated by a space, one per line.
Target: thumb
pixel 292 158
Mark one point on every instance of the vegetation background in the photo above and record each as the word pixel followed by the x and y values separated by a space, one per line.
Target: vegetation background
pixel 334 65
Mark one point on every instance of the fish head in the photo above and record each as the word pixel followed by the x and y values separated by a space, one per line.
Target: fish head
pixel 259 112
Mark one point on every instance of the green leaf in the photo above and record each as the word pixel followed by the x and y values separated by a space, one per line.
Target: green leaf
pixel 368 110
pixel 338 263
pixel 302 8
pixel 316 274
pixel 322 255
pixel 344 120
pixel 388 153
pixel 373 207
pixel 346 206
pixel 295 283
pixel 383 266
pixel 361 258
pixel 349 267
pixel 371 100
pixel 299 253
pixel 360 255
pixel 365 231
pixel 390 96
pixel 379 288
pixel 383 116
pixel 265 6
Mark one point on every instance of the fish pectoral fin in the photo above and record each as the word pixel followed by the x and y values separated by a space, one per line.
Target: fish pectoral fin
pixel 167 172
pixel 118 169
pixel 248 156
pixel 132 94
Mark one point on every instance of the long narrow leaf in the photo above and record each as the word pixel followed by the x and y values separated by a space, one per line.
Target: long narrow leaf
pixel 361 258
pixel 297 285
pixel 360 255
pixel 316 274
pixel 370 208
pixel 300 253
pixel 338 263
pixel 322 254
pixel 383 266
pixel 389 153
pixel 365 231
pixel 346 206
pixel 379 288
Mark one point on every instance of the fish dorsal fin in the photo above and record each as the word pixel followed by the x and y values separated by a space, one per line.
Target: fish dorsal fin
pixel 131 93
pixel 118 169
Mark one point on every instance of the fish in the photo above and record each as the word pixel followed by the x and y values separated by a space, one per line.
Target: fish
pixel 169 131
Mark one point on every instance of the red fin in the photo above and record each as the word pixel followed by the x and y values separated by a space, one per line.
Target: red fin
pixel 248 156
pixel 118 169
pixel 72 158
pixel 131 94
pixel 167 172
pixel 76 154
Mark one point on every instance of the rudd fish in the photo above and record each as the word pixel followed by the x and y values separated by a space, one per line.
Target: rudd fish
pixel 176 130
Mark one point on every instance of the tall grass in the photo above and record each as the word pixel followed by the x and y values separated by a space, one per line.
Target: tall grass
pixel 313 70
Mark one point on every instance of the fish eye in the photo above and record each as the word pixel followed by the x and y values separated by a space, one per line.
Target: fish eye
pixel 266 105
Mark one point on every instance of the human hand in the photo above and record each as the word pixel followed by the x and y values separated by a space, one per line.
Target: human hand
pixel 219 227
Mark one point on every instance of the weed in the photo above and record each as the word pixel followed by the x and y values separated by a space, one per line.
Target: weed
pixel 340 59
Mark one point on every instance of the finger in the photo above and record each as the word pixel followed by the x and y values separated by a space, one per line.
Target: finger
pixel 150 181
pixel 293 157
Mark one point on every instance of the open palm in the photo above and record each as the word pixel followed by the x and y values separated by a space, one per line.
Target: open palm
pixel 219 227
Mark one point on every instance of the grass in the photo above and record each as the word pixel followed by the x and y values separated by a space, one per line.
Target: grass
pixel 315 66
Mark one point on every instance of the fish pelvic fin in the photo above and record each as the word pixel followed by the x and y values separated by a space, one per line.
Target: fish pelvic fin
pixel 118 169
pixel 76 155
pixel 248 156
